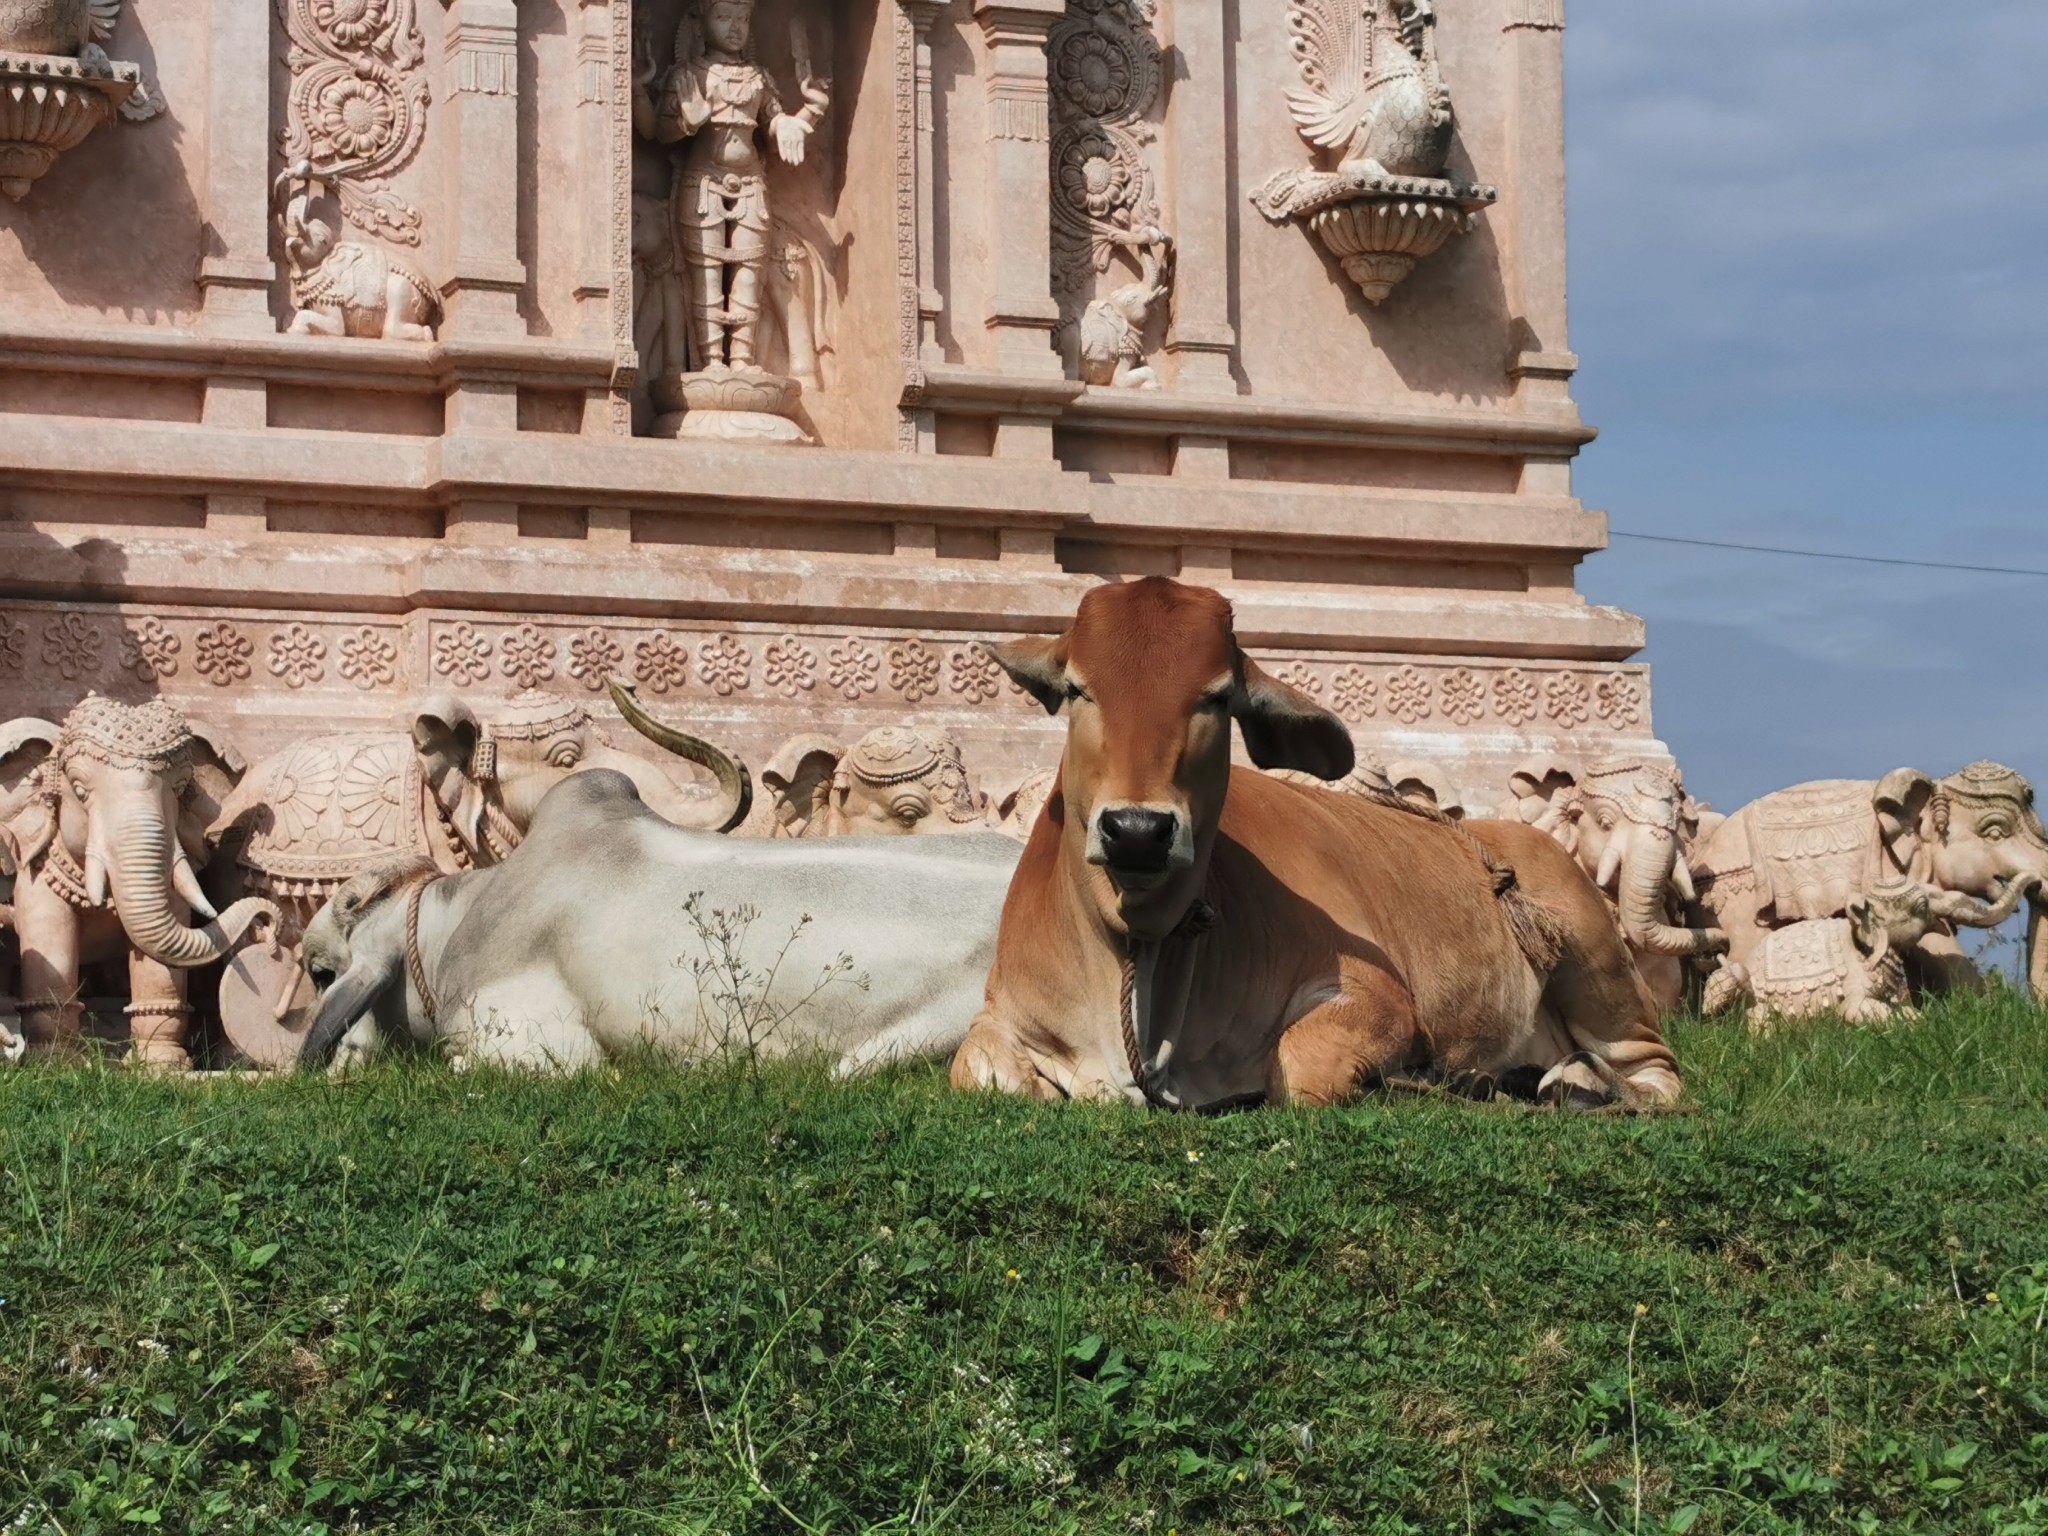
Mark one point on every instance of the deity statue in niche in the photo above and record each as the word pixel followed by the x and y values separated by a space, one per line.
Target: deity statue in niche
pixel 717 102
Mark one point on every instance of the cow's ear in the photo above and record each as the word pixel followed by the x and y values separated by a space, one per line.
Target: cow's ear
pixel 1036 666
pixel 1284 728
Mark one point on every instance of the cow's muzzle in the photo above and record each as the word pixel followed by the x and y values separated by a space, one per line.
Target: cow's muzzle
pixel 1140 845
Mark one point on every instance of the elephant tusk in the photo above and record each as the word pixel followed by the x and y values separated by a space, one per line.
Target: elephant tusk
pixel 1610 867
pixel 1681 881
pixel 95 876
pixel 286 992
pixel 186 883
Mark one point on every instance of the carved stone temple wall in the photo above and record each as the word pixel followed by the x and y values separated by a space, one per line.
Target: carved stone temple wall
pixel 772 355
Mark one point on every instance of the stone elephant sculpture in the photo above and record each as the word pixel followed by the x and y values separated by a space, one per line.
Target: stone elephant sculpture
pixel 342 287
pixel 105 824
pixel 1807 852
pixel 894 782
pixel 580 946
pixel 456 792
pixel 1853 965
pixel 1626 821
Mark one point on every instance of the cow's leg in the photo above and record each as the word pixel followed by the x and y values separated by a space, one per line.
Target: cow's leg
pixel 928 1033
pixel 991 1057
pixel 1364 1034
pixel 1599 997
pixel 530 1022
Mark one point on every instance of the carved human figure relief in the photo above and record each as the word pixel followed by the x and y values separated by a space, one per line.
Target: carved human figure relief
pixel 1105 69
pixel 801 309
pixel 720 108
pixel 1377 117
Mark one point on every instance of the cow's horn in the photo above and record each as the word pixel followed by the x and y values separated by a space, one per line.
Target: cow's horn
pixel 733 779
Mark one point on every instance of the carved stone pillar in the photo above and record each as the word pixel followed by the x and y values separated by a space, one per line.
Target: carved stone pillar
pixel 1533 204
pixel 930 304
pixel 594 168
pixel 236 273
pixel 1202 341
pixel 480 126
pixel 1023 313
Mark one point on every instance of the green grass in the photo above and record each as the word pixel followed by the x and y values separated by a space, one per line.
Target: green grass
pixel 647 1302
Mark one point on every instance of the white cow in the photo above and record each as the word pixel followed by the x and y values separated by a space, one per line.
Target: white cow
pixel 609 930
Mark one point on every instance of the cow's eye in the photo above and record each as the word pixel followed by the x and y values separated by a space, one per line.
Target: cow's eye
pixel 1075 692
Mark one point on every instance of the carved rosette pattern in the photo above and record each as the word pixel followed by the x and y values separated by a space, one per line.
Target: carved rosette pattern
pixel 59 652
pixel 221 654
pixel 1104 66
pixel 660 663
pixel 1565 700
pixel 298 656
pixel 71 646
pixel 724 665
pixel 368 659
pixel 855 668
pixel 792 666
pixel 913 670
pixel 1618 701
pixel 526 656
pixel 593 657
pixel 1408 695
pixel 357 107
pixel 462 655
pixel 13 646
pixel 976 677
pixel 1354 695
pixel 1514 697
pixel 1464 700
pixel 150 651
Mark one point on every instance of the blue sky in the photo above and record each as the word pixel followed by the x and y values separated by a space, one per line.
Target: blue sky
pixel 1810 292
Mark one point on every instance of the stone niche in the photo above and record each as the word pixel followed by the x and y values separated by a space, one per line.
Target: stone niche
pixel 772 356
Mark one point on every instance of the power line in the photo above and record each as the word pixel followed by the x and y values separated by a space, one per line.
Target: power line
pixel 1825 554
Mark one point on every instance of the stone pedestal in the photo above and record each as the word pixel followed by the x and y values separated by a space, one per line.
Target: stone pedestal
pixel 731 406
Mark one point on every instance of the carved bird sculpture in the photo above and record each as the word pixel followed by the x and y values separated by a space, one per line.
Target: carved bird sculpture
pixel 1375 99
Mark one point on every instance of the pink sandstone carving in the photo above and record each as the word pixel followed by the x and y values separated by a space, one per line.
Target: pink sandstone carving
pixel 373 401
pixel 104 821
pixel 894 782
pixel 1374 107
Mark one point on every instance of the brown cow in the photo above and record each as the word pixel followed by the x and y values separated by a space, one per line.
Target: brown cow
pixel 1186 937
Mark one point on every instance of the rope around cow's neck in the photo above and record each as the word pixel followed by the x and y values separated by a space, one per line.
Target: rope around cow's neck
pixel 1127 1015
pixel 1199 919
pixel 415 963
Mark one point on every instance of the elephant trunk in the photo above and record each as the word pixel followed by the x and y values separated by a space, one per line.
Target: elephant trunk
pixel 1645 876
pixel 736 787
pixel 1968 912
pixel 2037 949
pixel 139 857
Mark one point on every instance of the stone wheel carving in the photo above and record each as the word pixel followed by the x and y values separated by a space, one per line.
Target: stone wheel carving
pixel 257 978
